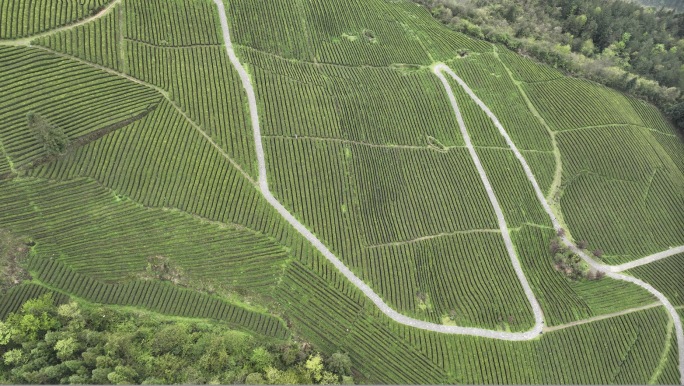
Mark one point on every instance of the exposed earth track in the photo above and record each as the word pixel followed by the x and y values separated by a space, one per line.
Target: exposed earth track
pixel 26 40
pixel 301 228
pixel 610 271
pixel 644 260
pixel 439 69
pixel 601 317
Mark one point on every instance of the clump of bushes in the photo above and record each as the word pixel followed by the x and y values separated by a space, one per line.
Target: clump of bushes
pixel 46 343
pixel 161 268
pixel 369 35
pixel 569 263
pixel 51 137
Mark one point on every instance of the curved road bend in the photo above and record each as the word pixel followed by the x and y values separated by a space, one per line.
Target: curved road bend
pixel 387 310
pixel 610 271
pixel 394 315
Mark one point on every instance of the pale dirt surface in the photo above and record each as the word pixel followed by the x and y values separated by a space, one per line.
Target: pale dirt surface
pixel 391 313
pixel 27 40
pixel 645 260
pixel 301 228
pixel 609 270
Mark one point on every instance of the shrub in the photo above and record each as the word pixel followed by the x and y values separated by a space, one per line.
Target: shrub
pixel 51 137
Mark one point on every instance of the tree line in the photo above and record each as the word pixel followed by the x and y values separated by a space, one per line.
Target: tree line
pixel 621 44
pixel 73 343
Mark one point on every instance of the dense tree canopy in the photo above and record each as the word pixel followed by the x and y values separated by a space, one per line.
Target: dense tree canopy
pixel 45 343
pixel 621 44
pixel 51 137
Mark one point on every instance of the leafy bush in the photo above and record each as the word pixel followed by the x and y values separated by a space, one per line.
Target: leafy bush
pixel 52 137
pixel 70 343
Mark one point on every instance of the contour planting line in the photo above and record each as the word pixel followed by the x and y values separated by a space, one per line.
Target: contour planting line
pixel 601 317
pixel 346 141
pixel 100 67
pixel 640 127
pixel 360 284
pixel 178 46
pixel 165 95
pixel 167 316
pixel 557 175
pixel 430 237
pixel 420 67
pixel 392 146
pixel 120 38
pixel 610 271
pixel 4 154
pixel 26 40
pixel 664 357
pixel 211 142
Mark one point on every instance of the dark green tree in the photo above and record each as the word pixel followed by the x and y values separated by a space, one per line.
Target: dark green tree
pixel 339 363
pixel 51 137
pixel 44 343
pixel 676 113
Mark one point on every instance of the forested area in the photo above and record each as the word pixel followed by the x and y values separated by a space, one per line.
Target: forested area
pixel 620 44
pixel 49 343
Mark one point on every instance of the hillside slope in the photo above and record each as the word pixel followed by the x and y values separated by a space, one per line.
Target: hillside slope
pixel 362 147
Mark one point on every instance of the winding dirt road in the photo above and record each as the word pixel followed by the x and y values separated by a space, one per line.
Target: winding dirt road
pixel 610 271
pixel 375 298
pixel 387 310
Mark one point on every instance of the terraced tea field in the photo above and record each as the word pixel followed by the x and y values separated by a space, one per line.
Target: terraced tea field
pixel 365 180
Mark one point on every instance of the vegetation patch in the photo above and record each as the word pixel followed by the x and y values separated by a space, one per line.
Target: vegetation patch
pixel 351 38
pixel 45 343
pixel 406 68
pixel 51 137
pixel 571 264
pixel 369 35
pixel 423 301
pixel 13 250
pixel 161 268
pixel 435 144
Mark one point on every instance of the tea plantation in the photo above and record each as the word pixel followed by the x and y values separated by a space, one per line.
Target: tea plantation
pixel 161 196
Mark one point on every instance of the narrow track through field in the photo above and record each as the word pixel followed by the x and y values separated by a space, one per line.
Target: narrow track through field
pixel 439 69
pixel 375 298
pixel 610 271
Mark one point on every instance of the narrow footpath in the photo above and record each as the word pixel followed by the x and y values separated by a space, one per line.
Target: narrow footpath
pixel 387 310
pixel 610 271
pixel 375 298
